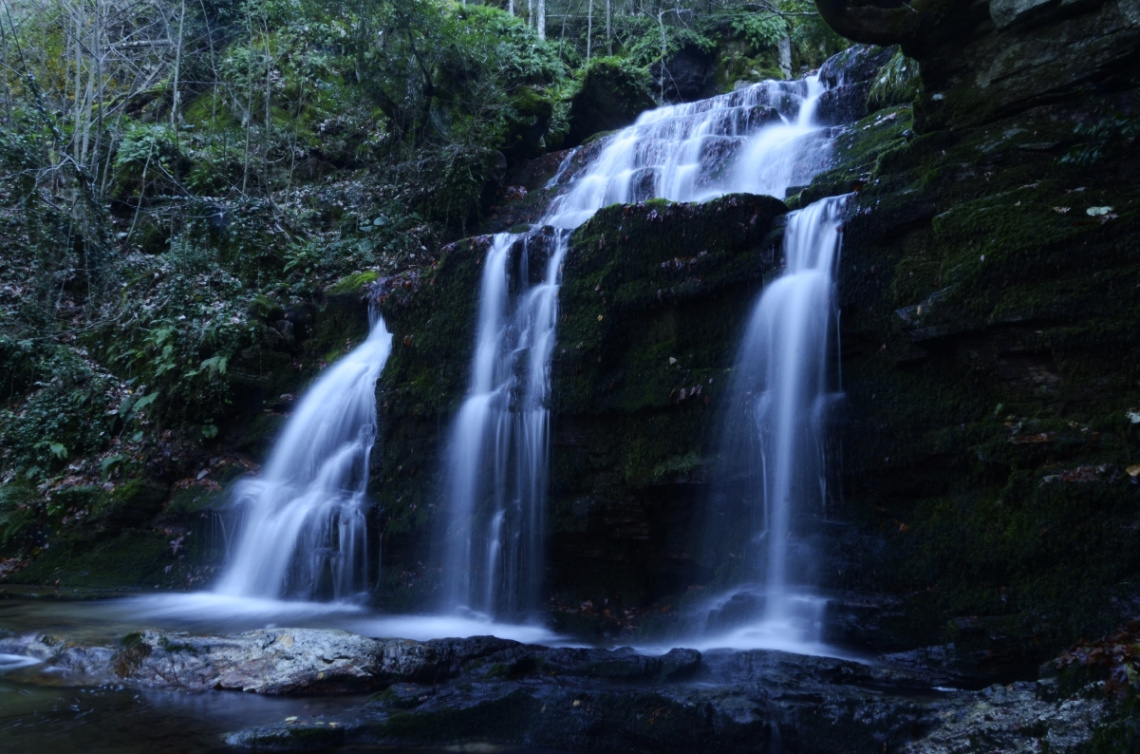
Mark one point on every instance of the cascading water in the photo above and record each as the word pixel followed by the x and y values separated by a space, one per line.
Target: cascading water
pixel 773 447
pixel 500 441
pixel 302 531
pixel 758 140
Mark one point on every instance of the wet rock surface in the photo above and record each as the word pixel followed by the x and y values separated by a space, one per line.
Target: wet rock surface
pixel 484 689
pixel 983 61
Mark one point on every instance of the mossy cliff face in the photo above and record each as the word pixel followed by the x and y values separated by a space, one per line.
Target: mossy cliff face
pixel 651 301
pixel 991 361
pixel 432 313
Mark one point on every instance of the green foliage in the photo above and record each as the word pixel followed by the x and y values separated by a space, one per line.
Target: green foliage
pixel 180 350
pixel 760 30
pixel 18 516
pixel 64 415
pixel 1102 139
pixel 813 41
pixel 643 41
pixel 20 359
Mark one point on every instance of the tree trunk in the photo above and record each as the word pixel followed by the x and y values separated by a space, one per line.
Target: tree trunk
pixel 589 29
pixel 177 72
pixel 609 27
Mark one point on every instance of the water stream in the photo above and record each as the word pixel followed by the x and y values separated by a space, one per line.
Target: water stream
pixel 758 140
pixel 302 532
pixel 772 474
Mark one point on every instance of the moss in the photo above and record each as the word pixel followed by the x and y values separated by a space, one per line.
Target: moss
pixel 633 333
pixel 677 466
pixel 611 96
pixel 133 639
pixel 897 83
pixel 858 153
pixel 136 559
pixel 431 313
pixel 648 326
pixel 193 501
pixel 133 650
pixel 984 351
pixel 131 504
pixel 350 284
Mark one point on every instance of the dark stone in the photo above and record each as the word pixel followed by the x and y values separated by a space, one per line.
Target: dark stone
pixel 983 61
pixel 689 75
pixel 848 77
pixel 611 96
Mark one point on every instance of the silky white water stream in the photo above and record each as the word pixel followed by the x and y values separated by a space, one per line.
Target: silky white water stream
pixel 758 140
pixel 301 532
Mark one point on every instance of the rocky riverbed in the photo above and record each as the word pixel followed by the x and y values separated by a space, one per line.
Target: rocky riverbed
pixel 485 689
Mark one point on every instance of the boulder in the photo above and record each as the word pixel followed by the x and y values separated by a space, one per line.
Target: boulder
pixel 848 77
pixel 689 75
pixel 612 95
pixel 982 61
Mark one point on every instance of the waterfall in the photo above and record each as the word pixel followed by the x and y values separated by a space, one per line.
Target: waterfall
pixel 302 531
pixel 757 140
pixel 772 471
pixel 496 474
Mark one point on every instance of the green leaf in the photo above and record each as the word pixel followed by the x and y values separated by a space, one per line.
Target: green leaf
pixel 216 365
pixel 143 402
pixel 109 463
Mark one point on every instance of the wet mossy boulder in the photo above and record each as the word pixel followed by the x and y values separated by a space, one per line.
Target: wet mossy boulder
pixel 612 95
pixel 432 314
pixel 848 78
pixel 651 300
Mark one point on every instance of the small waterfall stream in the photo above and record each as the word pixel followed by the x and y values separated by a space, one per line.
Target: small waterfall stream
pixel 758 140
pixel 773 449
pixel 302 532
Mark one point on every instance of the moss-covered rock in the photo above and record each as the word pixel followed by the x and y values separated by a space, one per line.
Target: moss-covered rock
pixel 651 303
pixel 651 300
pixel 612 95
pixel 130 504
pixel 431 313
pixel 131 559
pixel 988 292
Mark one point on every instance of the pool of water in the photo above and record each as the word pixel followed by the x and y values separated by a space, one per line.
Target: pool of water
pixel 40 712
pixel 116 720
